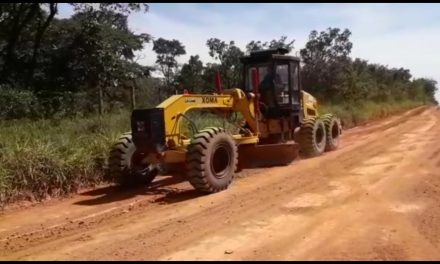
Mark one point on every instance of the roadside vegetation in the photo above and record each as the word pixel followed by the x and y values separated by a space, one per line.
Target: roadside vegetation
pixel 67 87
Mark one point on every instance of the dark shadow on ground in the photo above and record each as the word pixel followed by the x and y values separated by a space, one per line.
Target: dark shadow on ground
pixel 161 186
pixel 180 196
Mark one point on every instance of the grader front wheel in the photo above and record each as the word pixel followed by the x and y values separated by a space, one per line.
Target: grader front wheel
pixel 211 160
pixel 124 167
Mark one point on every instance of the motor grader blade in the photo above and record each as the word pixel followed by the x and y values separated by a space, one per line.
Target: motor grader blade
pixel 252 156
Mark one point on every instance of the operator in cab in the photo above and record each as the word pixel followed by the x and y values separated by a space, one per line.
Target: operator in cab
pixel 269 94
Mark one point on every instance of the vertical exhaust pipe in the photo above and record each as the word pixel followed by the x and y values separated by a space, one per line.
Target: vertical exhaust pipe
pixel 255 83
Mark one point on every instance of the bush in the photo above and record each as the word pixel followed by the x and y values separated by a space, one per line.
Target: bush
pixel 359 113
pixel 18 103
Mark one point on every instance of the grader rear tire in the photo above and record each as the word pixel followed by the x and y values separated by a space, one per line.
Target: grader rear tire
pixel 333 131
pixel 211 160
pixel 123 167
pixel 312 137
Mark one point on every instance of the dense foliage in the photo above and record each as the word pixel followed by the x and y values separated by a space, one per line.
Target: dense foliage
pixel 85 64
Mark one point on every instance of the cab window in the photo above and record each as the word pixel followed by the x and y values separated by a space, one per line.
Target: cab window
pixel 282 83
pixel 263 71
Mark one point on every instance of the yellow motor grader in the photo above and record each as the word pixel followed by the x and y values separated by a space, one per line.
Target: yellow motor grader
pixel 279 121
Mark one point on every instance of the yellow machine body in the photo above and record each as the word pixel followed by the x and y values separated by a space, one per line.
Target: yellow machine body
pixel 232 100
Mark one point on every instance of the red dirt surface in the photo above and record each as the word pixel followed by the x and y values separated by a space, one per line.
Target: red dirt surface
pixel 375 198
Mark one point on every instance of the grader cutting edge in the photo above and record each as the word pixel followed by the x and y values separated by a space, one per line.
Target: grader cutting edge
pixel 279 120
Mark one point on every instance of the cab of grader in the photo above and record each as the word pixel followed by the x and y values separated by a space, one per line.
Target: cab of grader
pixel 279 120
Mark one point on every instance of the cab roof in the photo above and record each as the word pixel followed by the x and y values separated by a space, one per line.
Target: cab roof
pixel 268 55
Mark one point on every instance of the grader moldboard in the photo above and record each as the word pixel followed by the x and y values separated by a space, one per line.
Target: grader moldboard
pixel 280 121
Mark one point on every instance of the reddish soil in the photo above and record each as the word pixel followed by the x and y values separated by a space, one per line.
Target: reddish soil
pixel 375 198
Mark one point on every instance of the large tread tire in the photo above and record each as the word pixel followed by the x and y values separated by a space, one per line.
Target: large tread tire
pixel 201 166
pixel 312 138
pixel 333 130
pixel 121 168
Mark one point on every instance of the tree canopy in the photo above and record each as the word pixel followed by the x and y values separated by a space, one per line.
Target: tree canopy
pixel 167 51
pixel 87 62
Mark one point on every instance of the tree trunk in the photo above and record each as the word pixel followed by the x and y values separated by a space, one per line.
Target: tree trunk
pixel 15 32
pixel 101 100
pixel 38 39
pixel 133 95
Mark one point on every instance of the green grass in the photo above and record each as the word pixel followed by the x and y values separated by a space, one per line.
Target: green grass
pixel 199 120
pixel 55 157
pixel 358 114
pixel 47 158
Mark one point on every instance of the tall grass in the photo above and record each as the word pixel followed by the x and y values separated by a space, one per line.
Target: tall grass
pixel 197 120
pixel 40 159
pixel 55 157
pixel 358 114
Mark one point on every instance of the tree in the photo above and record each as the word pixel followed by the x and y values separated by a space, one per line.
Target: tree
pixel 208 77
pixel 425 88
pixel 358 83
pixel 23 26
pixel 107 48
pixel 15 18
pixel 43 23
pixel 229 57
pixel 273 44
pixel 326 60
pixel 122 8
pixel 167 51
pixel 94 50
pixel 191 75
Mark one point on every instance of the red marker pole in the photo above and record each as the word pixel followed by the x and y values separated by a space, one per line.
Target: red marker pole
pixel 218 83
pixel 255 82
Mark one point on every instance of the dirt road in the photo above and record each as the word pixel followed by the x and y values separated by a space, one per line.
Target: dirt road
pixel 376 198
